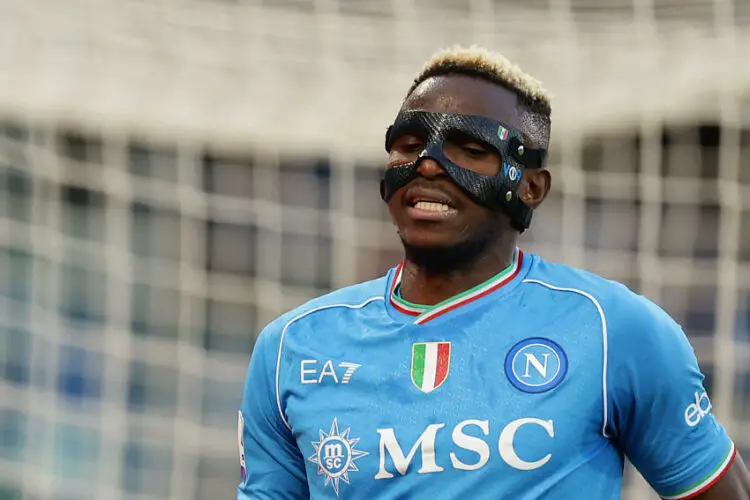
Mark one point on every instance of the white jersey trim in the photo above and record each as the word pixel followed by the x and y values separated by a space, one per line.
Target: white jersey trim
pixel 283 335
pixel 598 306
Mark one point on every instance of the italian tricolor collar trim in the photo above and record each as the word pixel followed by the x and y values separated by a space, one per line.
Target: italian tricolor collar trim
pixel 424 314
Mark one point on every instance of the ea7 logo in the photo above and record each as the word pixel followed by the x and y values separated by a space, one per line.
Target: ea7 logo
pixel 698 409
pixel 309 373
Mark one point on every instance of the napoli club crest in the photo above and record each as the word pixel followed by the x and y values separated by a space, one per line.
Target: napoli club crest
pixel 536 365
pixel 430 364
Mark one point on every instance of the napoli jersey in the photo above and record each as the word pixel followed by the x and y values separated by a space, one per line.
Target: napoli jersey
pixel 533 385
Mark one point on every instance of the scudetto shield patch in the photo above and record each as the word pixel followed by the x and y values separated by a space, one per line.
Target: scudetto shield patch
pixel 430 364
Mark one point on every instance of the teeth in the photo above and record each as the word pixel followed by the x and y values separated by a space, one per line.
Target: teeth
pixel 431 206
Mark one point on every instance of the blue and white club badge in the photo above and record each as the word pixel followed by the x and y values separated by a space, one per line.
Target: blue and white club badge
pixel 536 365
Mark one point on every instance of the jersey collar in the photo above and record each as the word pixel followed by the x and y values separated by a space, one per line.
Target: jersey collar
pixel 423 314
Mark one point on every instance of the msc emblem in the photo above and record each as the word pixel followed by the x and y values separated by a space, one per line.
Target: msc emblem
pixel 536 365
pixel 335 455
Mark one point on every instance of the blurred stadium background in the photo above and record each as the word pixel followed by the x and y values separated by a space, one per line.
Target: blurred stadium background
pixel 174 174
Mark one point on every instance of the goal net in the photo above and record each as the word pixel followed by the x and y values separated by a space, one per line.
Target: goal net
pixel 174 174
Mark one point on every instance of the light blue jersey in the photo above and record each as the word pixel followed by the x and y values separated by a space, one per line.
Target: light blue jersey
pixel 533 385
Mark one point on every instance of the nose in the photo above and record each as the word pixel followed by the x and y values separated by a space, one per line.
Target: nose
pixel 428 167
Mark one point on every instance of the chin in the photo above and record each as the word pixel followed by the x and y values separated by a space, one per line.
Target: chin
pixel 422 238
pixel 438 254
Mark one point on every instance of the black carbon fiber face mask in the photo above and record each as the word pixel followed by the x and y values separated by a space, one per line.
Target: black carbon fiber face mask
pixel 442 134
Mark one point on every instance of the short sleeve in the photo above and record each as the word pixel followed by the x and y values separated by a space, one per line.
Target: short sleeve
pixel 272 467
pixel 659 411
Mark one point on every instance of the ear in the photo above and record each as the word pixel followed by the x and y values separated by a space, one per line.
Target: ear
pixel 535 185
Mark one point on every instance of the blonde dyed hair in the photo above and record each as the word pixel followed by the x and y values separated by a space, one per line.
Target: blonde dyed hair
pixel 493 67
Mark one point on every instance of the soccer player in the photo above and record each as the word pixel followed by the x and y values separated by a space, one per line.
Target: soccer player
pixel 473 370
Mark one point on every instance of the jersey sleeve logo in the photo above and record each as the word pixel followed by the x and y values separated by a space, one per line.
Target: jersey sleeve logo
pixel 430 364
pixel 698 409
pixel 536 365
pixel 241 443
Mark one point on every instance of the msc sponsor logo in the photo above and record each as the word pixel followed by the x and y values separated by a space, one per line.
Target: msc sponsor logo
pixel 335 455
pixel 536 365
pixel 402 456
pixel 698 409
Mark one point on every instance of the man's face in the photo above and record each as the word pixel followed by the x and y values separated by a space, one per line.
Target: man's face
pixel 432 212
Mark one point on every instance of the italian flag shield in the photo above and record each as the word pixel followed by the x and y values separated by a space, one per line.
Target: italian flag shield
pixel 430 362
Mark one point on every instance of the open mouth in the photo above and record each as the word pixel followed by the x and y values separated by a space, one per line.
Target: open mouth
pixel 431 206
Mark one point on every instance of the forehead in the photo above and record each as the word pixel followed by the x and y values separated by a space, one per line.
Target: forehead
pixel 459 94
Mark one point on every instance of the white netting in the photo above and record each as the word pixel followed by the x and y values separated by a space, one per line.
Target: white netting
pixel 174 174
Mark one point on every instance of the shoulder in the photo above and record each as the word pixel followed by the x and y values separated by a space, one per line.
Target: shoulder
pixel 625 314
pixel 587 286
pixel 353 299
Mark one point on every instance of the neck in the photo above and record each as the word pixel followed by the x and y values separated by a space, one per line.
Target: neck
pixel 423 286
